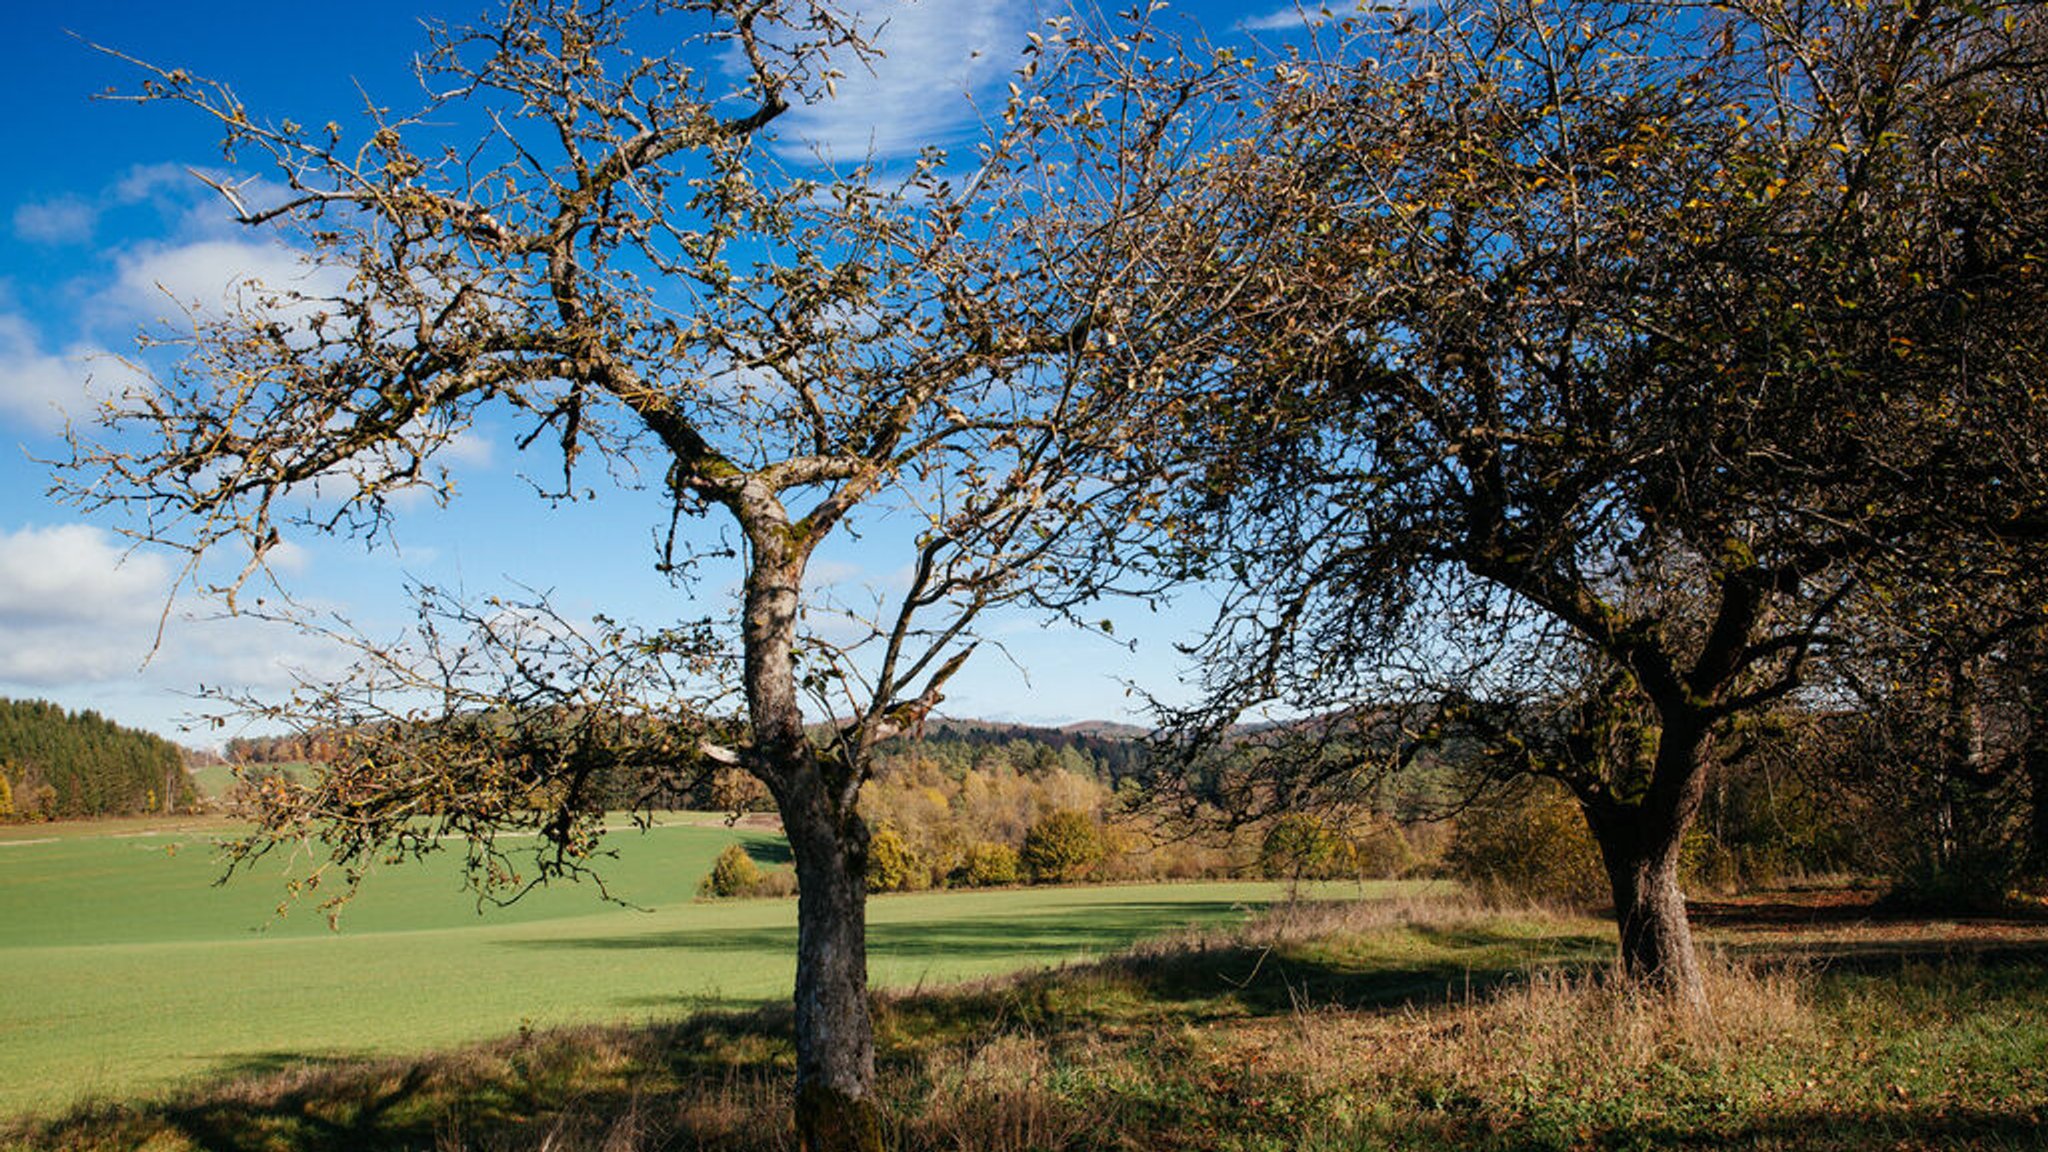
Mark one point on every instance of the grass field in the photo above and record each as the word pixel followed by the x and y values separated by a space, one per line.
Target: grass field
pixel 125 969
pixel 1426 1025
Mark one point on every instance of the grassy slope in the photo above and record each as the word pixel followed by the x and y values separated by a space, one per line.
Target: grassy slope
pixel 126 969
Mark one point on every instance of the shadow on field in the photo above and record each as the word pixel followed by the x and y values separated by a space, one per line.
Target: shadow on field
pixel 1906 1127
pixel 1856 932
pixel 1208 981
pixel 1083 928
pixel 721 1080
pixel 767 852
pixel 1843 908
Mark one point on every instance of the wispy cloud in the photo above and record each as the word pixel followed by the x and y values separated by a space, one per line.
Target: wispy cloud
pixel 80 613
pixel 209 275
pixel 65 220
pixel 43 389
pixel 74 606
pixel 938 56
pixel 1295 17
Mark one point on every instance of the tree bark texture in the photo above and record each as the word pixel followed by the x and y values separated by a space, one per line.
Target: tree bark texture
pixel 2034 747
pixel 1649 909
pixel 835 1045
pixel 1641 843
pixel 835 1042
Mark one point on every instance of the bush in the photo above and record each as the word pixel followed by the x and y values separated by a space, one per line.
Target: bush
pixel 1383 852
pixel 1530 843
pixel 1301 847
pixel 892 866
pixel 989 865
pixel 1062 847
pixel 733 874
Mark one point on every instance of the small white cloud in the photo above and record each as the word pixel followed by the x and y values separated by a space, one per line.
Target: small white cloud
pixel 65 220
pixel 288 558
pixel 468 448
pixel 1296 17
pixel 936 54
pixel 211 275
pixel 150 181
pixel 79 609
pixel 44 389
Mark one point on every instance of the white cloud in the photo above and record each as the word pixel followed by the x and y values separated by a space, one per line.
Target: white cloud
pixel 210 275
pixel 469 448
pixel 65 220
pixel 79 619
pixel 1295 17
pixel 44 389
pixel 935 54
pixel 75 605
pixel 150 181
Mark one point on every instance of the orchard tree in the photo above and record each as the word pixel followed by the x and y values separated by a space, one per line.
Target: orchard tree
pixel 1555 374
pixel 581 231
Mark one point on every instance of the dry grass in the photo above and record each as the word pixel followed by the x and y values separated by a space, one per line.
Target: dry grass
pixel 1409 1024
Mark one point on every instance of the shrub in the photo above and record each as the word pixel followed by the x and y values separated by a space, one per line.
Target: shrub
pixel 989 864
pixel 734 873
pixel 1529 842
pixel 892 866
pixel 1300 846
pixel 1063 846
pixel 1383 852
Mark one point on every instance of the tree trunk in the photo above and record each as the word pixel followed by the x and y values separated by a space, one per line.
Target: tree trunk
pixel 2034 750
pixel 835 1043
pixel 1640 845
pixel 2036 754
pixel 1641 854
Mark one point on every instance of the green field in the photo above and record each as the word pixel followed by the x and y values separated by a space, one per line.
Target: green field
pixel 126 969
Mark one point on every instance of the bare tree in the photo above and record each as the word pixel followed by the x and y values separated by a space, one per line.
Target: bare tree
pixel 587 234
pixel 1557 373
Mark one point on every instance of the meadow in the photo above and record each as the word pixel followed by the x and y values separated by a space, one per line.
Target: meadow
pixel 127 970
pixel 1431 1024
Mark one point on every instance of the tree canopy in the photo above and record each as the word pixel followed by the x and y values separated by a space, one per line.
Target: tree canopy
pixel 1556 374
pixel 583 230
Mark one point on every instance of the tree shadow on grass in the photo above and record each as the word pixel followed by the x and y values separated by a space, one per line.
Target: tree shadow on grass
pixel 718 1080
pixel 1852 907
pixel 721 1079
pixel 768 852
pixel 1844 1129
pixel 1210 981
pixel 1067 932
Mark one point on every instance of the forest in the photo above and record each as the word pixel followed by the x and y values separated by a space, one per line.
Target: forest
pixel 57 764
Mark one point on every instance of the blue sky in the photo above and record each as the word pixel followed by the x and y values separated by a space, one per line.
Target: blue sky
pixel 102 228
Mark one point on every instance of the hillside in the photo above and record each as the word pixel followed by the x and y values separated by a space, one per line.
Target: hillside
pixel 56 764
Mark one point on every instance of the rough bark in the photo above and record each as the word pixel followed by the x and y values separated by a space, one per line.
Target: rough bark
pixel 2036 759
pixel 835 1047
pixel 835 1044
pixel 2034 750
pixel 1640 843
pixel 1649 905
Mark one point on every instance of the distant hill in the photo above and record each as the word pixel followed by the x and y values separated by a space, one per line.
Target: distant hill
pixel 1107 729
pixel 56 764
pixel 1113 751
